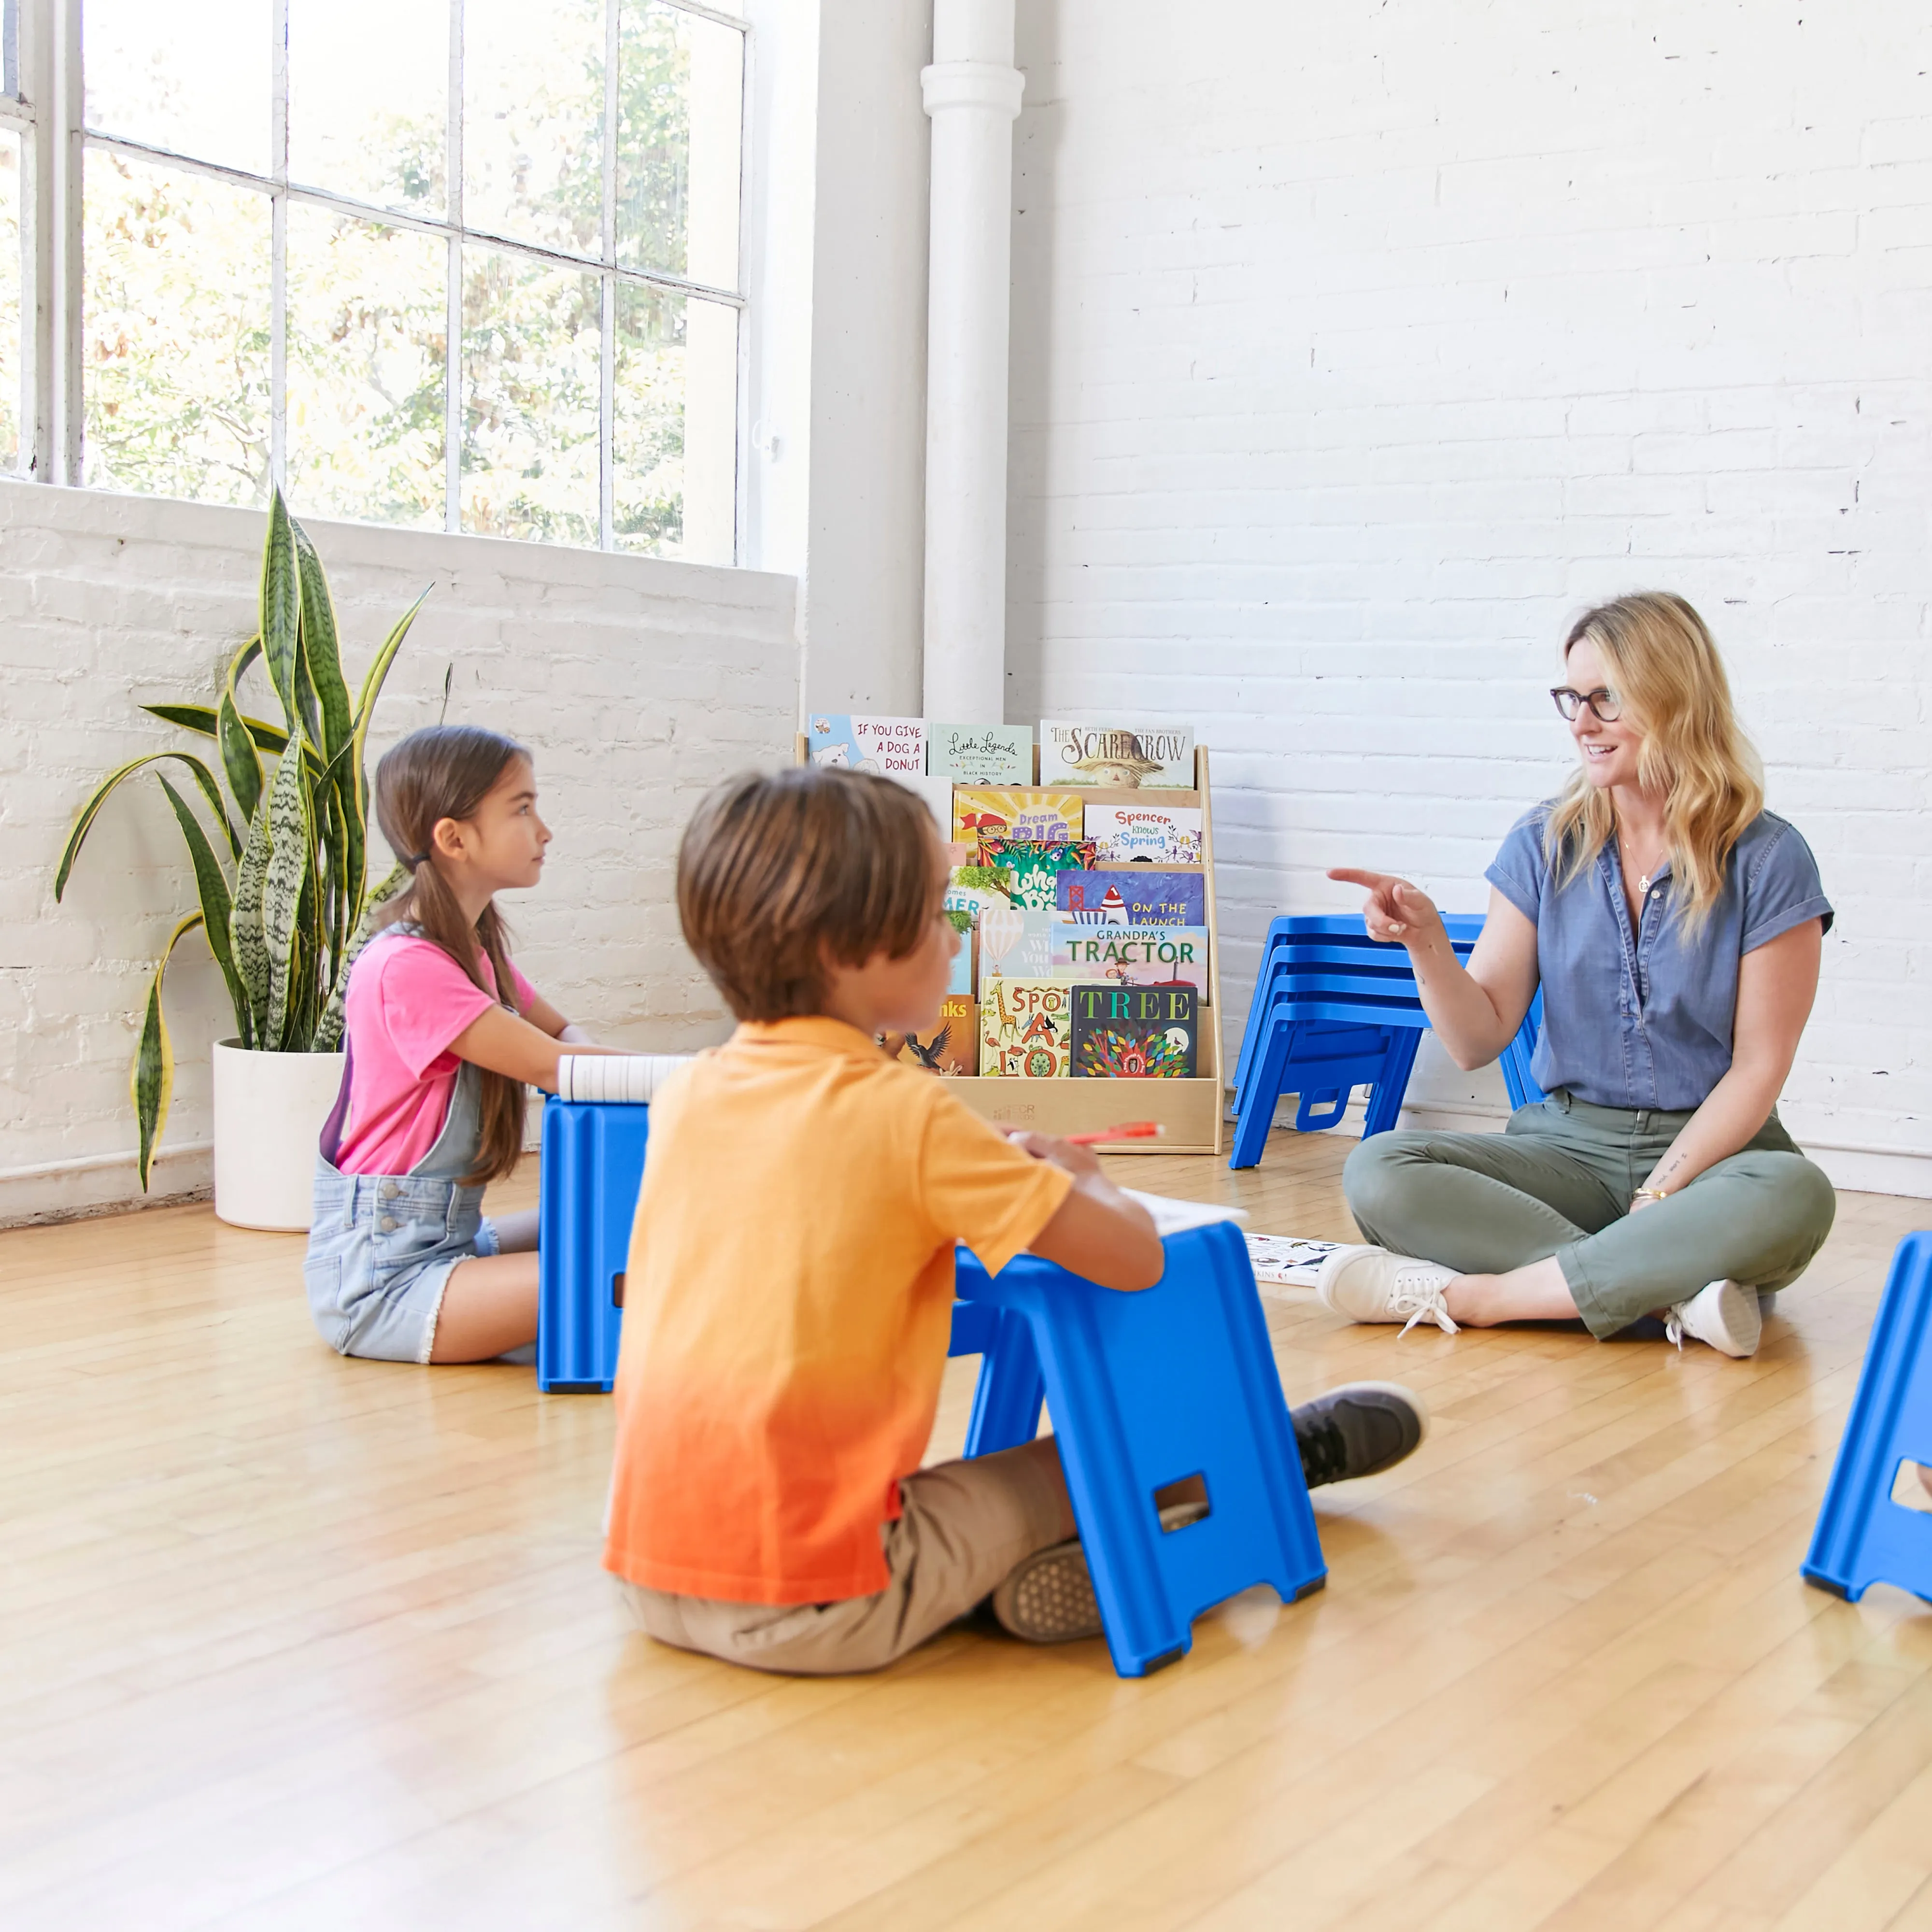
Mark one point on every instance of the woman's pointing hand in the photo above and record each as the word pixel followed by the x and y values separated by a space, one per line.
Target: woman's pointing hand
pixel 1394 909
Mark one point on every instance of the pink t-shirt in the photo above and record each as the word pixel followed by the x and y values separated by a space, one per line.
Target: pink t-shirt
pixel 407 1000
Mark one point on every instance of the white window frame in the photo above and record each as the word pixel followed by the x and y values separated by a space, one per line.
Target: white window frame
pixel 49 114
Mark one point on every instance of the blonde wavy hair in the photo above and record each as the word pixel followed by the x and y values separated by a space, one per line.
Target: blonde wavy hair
pixel 1665 667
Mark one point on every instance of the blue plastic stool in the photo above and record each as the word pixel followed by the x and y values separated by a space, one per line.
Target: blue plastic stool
pixel 593 1162
pixel 1145 1390
pixel 1863 1536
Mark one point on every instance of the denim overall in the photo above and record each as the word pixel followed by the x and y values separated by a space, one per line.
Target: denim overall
pixel 381 1246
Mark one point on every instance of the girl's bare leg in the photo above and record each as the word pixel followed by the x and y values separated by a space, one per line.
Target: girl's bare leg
pixel 489 1306
pixel 1537 1293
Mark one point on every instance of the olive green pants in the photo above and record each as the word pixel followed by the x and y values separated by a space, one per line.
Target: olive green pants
pixel 1558 1181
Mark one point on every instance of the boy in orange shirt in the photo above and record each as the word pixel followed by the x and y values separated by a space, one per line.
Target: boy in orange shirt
pixel 789 1297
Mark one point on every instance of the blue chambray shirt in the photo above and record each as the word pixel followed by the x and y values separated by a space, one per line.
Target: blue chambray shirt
pixel 1645 1020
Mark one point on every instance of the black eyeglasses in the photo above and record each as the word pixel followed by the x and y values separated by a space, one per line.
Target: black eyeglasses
pixel 1603 701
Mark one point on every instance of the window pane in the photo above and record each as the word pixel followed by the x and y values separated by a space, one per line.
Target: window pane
pixel 675 451
pixel 368 316
pixel 533 121
pixel 681 85
pixel 193 79
pixel 368 94
pixel 530 348
pixel 9 302
pixel 176 343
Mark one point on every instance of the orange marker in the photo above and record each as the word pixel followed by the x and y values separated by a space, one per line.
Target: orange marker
pixel 1131 1130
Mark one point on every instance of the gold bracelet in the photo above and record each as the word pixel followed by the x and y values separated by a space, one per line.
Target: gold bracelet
pixel 1651 1194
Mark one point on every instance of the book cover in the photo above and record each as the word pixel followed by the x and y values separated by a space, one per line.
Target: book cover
pixel 1026 1029
pixel 977 890
pixel 953 1045
pixel 983 814
pixel 1135 898
pixel 1134 757
pixel 1016 944
pixel 980 754
pixel 1037 869
pixel 1133 1033
pixel 1146 835
pixel 895 748
pixel 1131 955
pixel 964 978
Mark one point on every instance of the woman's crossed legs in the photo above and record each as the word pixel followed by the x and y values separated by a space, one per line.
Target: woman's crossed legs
pixel 1535 1221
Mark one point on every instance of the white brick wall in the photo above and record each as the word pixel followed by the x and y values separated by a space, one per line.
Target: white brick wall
pixel 1356 348
pixel 636 683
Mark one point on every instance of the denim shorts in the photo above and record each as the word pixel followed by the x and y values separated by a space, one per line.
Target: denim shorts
pixel 380 1248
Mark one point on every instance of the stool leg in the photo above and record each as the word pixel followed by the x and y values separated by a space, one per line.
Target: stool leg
pixel 1863 1536
pixel 1385 1098
pixel 1117 1529
pixel 1256 1113
pixel 1007 1398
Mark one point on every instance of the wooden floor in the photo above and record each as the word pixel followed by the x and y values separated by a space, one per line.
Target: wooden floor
pixel 288 1642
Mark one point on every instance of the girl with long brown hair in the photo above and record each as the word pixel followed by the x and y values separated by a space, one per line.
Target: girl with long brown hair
pixel 1674 929
pixel 443 1035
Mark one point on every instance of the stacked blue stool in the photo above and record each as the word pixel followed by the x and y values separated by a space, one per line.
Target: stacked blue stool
pixel 1333 1010
pixel 1863 1536
pixel 1146 1391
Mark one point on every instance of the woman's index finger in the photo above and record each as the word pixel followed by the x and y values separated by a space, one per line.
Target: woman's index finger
pixel 1374 881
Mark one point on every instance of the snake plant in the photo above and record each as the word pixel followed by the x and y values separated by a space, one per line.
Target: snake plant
pixel 282 882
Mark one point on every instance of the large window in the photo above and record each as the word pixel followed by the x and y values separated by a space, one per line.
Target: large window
pixel 457 264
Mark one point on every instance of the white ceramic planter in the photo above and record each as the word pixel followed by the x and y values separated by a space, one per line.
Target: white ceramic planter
pixel 268 1111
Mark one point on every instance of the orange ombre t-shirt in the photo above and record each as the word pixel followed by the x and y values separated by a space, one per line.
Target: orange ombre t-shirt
pixel 787 1307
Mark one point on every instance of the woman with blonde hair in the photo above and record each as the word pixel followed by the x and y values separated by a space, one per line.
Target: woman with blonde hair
pixel 1674 927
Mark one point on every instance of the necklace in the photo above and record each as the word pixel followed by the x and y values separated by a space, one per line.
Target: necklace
pixel 1643 879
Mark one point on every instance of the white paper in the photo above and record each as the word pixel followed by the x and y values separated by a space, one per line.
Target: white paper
pixel 1171 1216
pixel 615 1079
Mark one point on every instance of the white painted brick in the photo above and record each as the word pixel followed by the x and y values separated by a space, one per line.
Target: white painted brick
pixel 1287 459
pixel 636 684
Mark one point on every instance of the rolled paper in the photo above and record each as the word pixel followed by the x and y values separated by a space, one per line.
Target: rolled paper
pixel 615 1079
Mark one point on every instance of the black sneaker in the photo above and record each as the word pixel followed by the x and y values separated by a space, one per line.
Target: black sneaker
pixel 1048 1598
pixel 1358 1430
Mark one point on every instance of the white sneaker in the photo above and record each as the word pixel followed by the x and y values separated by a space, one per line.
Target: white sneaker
pixel 1372 1284
pixel 1725 1314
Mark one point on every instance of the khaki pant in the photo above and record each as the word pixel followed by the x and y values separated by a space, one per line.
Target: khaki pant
pixel 1559 1181
pixel 962 1527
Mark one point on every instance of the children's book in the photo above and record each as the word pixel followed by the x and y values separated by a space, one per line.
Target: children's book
pixel 980 754
pixel 1132 955
pixel 895 748
pixel 1150 834
pixel 1136 898
pixel 982 815
pixel 953 1046
pixel 1016 944
pixel 1284 1259
pixel 1133 1033
pixel 964 978
pixel 1037 869
pixel 977 890
pixel 1137 757
pixel 1026 1029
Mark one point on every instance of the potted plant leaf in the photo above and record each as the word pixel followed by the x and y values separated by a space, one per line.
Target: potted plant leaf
pixel 285 902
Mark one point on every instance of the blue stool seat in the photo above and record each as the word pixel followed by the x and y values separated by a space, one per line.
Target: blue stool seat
pixel 1863 1536
pixel 1146 1390
pixel 592 1163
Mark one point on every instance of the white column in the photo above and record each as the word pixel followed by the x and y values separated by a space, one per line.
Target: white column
pixel 973 95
